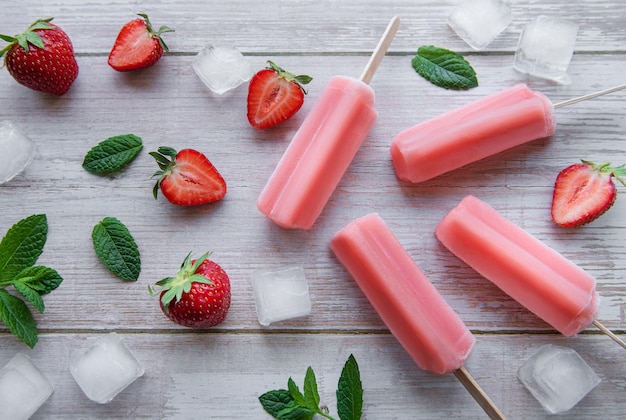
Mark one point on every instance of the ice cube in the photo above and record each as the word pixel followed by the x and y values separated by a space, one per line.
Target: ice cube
pixel 16 151
pixel 478 22
pixel 23 389
pixel 281 294
pixel 545 48
pixel 558 377
pixel 105 369
pixel 221 68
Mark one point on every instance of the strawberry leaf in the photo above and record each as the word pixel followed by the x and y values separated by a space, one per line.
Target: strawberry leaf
pixel 350 391
pixel 18 318
pixel 21 246
pixel 112 154
pixel 444 68
pixel 116 248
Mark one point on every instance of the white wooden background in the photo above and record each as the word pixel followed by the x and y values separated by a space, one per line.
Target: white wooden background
pixel 219 373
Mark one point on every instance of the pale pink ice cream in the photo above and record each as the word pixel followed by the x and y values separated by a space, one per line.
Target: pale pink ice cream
pixel 408 303
pixel 472 132
pixel 538 277
pixel 319 154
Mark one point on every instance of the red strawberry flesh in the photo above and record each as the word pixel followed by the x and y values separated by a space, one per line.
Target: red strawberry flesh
pixel 137 45
pixel 583 192
pixel 189 178
pixel 274 95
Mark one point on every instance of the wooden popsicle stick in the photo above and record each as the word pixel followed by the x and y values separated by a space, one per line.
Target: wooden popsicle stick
pixel 381 49
pixel 478 394
pixel 589 96
pixel 609 333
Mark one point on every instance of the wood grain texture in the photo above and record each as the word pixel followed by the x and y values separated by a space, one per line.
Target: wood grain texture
pixel 168 105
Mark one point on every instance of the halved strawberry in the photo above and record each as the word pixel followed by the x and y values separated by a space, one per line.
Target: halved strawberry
pixel 274 95
pixel 187 178
pixel 198 296
pixel 583 192
pixel 137 45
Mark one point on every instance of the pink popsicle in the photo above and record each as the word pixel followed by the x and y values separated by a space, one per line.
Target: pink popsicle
pixel 319 154
pixel 472 132
pixel 323 147
pixel 408 303
pixel 538 277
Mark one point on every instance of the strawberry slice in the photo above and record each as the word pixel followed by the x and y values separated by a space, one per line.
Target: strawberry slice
pixel 137 46
pixel 583 192
pixel 187 178
pixel 274 95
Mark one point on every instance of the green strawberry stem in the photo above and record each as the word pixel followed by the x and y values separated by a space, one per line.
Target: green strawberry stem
pixel 29 36
pixel 174 287
pixel 166 159
pixel 619 172
pixel 156 34
pixel 301 79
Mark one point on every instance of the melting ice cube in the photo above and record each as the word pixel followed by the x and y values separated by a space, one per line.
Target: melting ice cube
pixel 16 151
pixel 478 22
pixel 23 389
pixel 545 48
pixel 222 68
pixel 105 369
pixel 558 377
pixel 281 294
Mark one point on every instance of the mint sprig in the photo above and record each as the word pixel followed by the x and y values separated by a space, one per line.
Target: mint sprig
pixel 291 404
pixel 112 154
pixel 116 248
pixel 444 68
pixel 19 250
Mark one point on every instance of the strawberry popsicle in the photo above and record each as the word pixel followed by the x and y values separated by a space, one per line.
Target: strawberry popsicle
pixel 477 130
pixel 408 303
pixel 538 277
pixel 323 147
pixel 472 132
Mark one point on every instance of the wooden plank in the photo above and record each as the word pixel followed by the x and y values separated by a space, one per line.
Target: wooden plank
pixel 221 376
pixel 306 26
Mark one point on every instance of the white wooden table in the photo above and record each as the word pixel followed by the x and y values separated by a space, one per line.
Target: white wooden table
pixel 220 373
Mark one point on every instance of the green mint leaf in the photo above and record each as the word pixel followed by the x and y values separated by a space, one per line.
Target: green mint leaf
pixel 22 245
pixel 311 395
pixel 30 294
pixel 116 248
pixel 444 68
pixel 18 319
pixel 297 412
pixel 112 154
pixel 350 391
pixel 295 392
pixel 41 279
pixel 274 402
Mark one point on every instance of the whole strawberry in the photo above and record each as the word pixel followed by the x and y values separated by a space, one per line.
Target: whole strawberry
pixel 41 58
pixel 198 296
pixel 137 45
pixel 583 192
pixel 274 95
